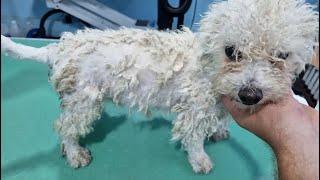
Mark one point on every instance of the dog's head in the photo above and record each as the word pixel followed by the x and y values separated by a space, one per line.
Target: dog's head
pixel 255 48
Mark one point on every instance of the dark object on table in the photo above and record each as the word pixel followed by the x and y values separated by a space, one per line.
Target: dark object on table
pixel 166 13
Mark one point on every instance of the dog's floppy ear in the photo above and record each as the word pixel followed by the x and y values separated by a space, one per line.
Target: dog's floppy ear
pixel 304 36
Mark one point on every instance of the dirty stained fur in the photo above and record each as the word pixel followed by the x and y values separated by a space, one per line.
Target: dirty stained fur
pixel 177 71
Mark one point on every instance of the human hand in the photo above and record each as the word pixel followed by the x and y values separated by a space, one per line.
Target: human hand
pixel 272 122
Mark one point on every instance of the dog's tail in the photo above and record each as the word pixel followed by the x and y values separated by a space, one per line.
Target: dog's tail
pixel 20 51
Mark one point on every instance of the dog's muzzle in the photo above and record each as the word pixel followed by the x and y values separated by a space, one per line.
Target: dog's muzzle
pixel 250 95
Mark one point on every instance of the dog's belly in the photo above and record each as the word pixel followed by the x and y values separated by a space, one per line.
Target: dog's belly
pixel 149 92
pixel 129 78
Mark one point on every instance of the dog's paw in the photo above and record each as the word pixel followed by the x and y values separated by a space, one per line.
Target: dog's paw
pixel 220 135
pixel 77 156
pixel 200 163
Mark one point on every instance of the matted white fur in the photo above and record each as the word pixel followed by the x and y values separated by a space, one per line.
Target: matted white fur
pixel 178 71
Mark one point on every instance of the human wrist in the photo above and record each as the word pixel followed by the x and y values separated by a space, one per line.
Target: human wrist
pixel 277 123
pixel 299 128
pixel 298 152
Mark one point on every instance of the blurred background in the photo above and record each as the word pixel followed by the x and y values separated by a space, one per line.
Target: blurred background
pixel 20 17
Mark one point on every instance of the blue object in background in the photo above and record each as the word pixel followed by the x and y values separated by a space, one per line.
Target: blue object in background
pixel 18 17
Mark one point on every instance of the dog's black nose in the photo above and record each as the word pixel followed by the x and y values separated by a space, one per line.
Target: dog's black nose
pixel 250 95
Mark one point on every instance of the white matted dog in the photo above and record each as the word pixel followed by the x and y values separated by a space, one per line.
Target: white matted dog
pixel 250 50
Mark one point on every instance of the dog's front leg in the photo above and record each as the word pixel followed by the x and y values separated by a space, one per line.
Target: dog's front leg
pixel 198 158
pixel 192 136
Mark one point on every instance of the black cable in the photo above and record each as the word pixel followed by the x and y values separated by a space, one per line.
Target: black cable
pixel 42 30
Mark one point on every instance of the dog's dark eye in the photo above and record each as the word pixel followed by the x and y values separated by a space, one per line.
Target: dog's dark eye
pixel 232 54
pixel 282 55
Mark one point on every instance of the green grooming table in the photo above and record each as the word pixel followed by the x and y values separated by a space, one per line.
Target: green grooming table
pixel 123 147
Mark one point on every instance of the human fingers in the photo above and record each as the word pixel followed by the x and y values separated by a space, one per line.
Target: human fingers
pixel 235 112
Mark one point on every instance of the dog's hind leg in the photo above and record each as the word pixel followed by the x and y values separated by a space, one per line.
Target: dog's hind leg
pixel 222 132
pixel 80 110
pixel 220 135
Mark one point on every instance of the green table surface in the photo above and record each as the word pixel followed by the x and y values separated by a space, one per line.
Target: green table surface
pixel 123 147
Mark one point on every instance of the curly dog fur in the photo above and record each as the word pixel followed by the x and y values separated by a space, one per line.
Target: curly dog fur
pixel 253 43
